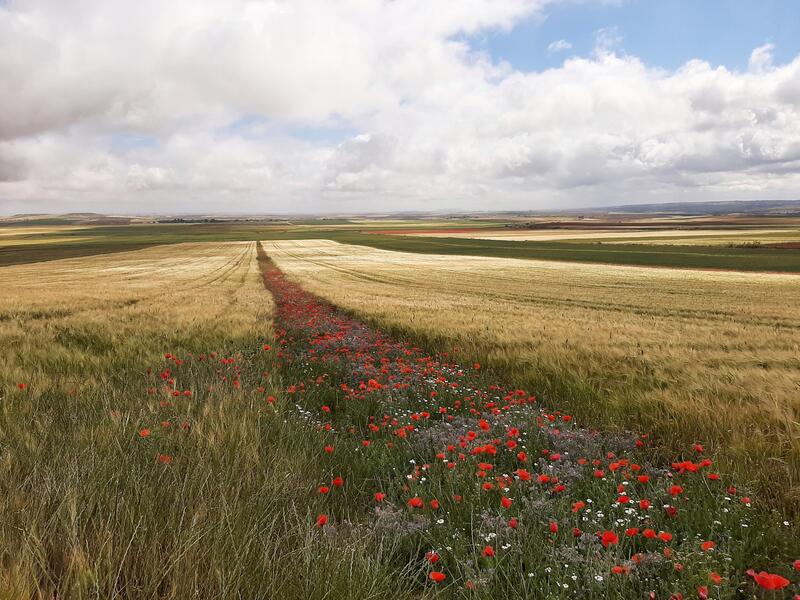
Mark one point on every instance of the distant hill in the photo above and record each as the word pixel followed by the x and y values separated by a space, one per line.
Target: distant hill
pixel 738 207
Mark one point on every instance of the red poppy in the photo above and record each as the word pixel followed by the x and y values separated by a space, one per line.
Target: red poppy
pixel 770 581
pixel 379 496
pixel 437 576
pixel 619 570
pixel 144 433
pixel 322 520
pixel 609 538
pixel 706 546
pixel 488 551
pixel 506 502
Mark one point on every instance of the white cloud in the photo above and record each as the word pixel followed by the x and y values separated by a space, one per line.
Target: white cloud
pixel 279 105
pixel 558 46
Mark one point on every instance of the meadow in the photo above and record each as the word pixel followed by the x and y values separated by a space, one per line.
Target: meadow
pixel 188 415
pixel 685 355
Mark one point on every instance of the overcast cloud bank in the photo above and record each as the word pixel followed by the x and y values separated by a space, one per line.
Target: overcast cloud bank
pixel 312 105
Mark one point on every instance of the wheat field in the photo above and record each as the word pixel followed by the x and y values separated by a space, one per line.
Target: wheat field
pixel 685 355
pixel 138 456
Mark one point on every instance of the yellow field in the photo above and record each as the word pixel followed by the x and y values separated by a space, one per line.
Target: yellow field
pixel 704 237
pixel 687 355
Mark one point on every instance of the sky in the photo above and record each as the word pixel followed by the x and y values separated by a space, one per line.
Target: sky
pixel 343 106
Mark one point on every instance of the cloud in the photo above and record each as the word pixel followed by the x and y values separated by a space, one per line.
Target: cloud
pixel 761 58
pixel 558 46
pixel 307 105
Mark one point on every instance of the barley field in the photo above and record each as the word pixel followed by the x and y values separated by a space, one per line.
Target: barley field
pixel 686 355
pixel 141 454
pixel 189 421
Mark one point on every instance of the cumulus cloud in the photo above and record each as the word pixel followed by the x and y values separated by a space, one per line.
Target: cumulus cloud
pixel 308 105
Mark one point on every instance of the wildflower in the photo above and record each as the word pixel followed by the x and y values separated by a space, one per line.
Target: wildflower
pixel 338 481
pixel 379 496
pixel 770 581
pixel 675 490
pixel 513 523
pixel 706 546
pixel 432 557
pixel 553 527
pixel 620 570
pixel 323 489
pixel 329 449
pixel 506 502
pixel 322 520
pixel 488 551
pixel 609 538
pixel 144 433
pixel 577 506
pixel 715 578
pixel 164 459
pixel 437 576
pixel 416 502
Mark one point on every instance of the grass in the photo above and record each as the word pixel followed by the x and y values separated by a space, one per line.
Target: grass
pixel 152 446
pixel 686 355
pixel 121 238
pixel 216 501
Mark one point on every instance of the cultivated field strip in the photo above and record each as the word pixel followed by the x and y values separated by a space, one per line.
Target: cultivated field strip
pixel 59 309
pixel 685 354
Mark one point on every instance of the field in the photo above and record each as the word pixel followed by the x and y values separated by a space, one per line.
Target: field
pixel 687 355
pixel 187 412
pixel 678 237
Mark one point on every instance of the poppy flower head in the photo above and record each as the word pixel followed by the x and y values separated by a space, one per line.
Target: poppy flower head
pixel 770 581
pixel 437 576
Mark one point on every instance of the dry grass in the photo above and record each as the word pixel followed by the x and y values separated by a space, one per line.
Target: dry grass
pixel 687 355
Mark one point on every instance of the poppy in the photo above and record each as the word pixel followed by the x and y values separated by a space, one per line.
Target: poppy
pixel 322 520
pixel 706 546
pixel 609 538
pixel 619 570
pixel 144 433
pixel 379 496
pixel 416 502
pixel 770 581
pixel 506 502
pixel 437 576
pixel 488 551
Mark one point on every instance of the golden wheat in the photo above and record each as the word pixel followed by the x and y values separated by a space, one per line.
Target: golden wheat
pixel 689 355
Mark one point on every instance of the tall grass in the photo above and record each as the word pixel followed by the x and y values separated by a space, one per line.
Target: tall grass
pixel 687 356
pixel 87 509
